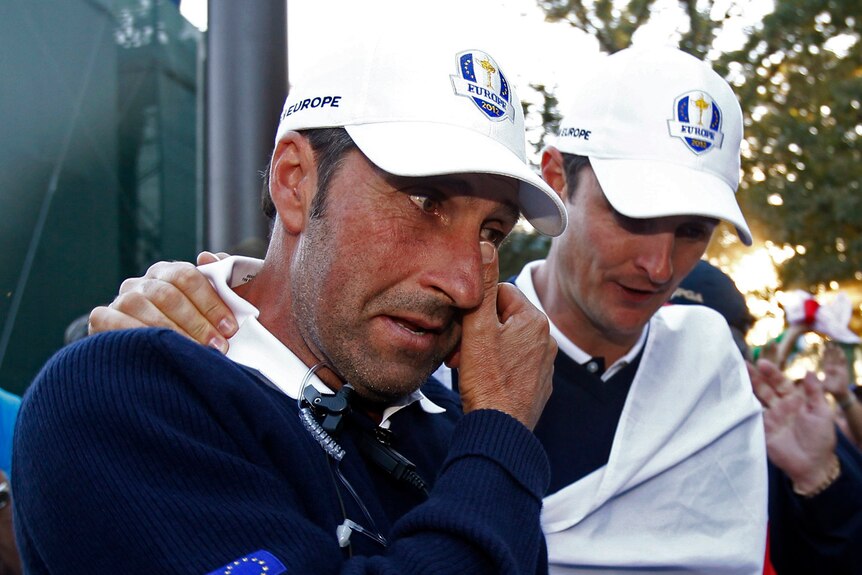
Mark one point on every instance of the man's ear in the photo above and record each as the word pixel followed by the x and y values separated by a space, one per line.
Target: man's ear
pixel 293 181
pixel 553 171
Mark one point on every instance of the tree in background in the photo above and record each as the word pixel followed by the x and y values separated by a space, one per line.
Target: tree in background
pixel 615 23
pixel 799 80
pixel 544 118
pixel 519 248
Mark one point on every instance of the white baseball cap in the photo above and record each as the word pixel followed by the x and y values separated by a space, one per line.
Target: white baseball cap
pixel 416 107
pixel 662 131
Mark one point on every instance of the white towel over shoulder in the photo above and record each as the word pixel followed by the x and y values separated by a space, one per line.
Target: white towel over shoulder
pixel 685 488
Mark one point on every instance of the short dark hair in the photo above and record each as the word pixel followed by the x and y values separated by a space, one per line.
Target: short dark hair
pixel 329 145
pixel 572 165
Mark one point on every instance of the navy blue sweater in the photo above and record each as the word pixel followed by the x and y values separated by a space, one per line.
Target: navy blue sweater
pixel 142 452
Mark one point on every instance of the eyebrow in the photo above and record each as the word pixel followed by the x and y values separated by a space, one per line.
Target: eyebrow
pixel 451 181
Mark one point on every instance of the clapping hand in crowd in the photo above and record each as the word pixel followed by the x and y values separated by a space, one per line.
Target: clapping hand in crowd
pixel 800 430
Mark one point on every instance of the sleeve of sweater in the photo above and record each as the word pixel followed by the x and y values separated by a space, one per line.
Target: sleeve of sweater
pixel 142 452
pixel 822 534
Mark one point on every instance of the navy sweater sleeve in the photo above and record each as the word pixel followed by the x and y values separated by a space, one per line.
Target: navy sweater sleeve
pixel 142 452
pixel 822 534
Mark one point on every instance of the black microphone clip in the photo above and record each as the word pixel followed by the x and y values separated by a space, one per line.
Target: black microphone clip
pixel 329 409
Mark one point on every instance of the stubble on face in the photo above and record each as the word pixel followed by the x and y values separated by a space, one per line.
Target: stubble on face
pixel 340 291
pixel 380 279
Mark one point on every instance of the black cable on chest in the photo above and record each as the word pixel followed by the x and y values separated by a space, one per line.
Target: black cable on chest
pixel 324 416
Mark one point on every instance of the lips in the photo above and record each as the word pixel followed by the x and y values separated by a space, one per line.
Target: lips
pixel 641 291
pixel 418 326
pixel 419 329
pixel 411 328
pixel 640 295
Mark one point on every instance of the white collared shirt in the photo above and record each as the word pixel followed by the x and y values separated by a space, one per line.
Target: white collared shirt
pixel 255 347
pixel 524 282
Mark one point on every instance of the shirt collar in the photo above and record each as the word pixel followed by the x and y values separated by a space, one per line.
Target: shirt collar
pixel 524 282
pixel 255 347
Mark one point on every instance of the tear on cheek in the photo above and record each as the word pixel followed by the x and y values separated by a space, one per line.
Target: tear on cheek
pixel 489 251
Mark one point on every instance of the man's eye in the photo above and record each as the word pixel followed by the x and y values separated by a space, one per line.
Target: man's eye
pixel 695 231
pixel 425 203
pixel 493 235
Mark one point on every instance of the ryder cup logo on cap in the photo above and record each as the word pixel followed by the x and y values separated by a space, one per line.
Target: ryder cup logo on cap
pixel 697 122
pixel 663 134
pixel 481 80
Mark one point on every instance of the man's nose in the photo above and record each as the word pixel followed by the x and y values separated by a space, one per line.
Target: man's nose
pixel 454 267
pixel 656 256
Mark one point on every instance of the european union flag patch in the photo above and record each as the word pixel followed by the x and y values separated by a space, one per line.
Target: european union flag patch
pixel 257 563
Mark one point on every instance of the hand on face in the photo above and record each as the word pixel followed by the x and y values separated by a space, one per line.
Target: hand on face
pixel 506 358
pixel 174 295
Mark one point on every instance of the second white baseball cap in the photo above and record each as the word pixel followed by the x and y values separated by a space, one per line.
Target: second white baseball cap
pixel 662 131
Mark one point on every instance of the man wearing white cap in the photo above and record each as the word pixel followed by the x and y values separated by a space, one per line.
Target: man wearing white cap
pixel 393 180
pixel 655 438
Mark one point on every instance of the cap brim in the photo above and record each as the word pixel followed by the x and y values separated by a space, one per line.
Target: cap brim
pixel 425 149
pixel 651 189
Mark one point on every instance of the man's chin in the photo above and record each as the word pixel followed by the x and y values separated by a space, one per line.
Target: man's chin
pixel 384 393
pixel 395 382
